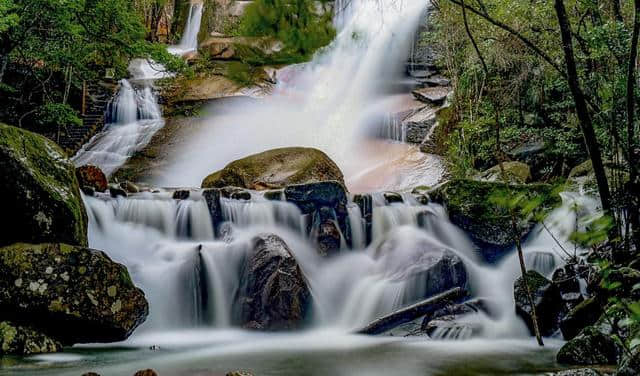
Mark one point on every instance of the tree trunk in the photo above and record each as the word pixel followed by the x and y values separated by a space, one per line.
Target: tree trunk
pixel 582 111
pixel 3 66
pixel 632 187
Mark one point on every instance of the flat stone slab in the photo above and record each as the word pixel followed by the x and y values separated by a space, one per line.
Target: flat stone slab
pixel 433 95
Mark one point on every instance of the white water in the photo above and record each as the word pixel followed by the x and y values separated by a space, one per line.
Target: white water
pixel 189 40
pixel 328 104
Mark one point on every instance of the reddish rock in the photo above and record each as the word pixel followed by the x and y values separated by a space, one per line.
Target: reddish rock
pixel 92 177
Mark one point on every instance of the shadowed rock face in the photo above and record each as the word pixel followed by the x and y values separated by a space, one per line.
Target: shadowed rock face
pixel 73 294
pixel 39 192
pixel 547 301
pixel 276 168
pixel 273 293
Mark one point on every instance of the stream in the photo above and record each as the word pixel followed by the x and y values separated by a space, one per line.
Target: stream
pixel 332 103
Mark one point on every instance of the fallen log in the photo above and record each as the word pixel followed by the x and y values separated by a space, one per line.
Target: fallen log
pixel 414 311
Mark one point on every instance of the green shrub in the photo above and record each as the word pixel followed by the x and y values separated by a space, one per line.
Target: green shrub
pixel 52 115
pixel 294 22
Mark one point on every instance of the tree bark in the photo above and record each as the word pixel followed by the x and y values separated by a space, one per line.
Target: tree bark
pixel 632 187
pixel 582 111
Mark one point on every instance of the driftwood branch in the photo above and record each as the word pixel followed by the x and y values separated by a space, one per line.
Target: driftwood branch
pixel 413 312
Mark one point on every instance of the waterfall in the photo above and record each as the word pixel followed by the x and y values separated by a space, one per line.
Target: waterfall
pixel 133 117
pixel 167 242
pixel 329 104
pixel 189 40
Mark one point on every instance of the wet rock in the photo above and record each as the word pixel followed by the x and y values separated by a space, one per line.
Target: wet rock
pixel 90 374
pixel 470 206
pixel 327 233
pixel 146 372
pixel 274 195
pixel 419 125
pixel 73 294
pixel 393 198
pixel 276 168
pixel 330 197
pixel 514 172
pixel 452 327
pixel 39 191
pixel 273 293
pixel 116 191
pixel 212 198
pixel 547 301
pixel 577 372
pixel 24 340
pixel 92 176
pixel 235 193
pixel 181 194
pixel 426 268
pixel 129 187
pixel 239 373
pixel 433 95
pixel 584 314
pixel 590 347
pixel 365 203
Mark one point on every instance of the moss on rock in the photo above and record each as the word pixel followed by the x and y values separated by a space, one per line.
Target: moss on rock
pixel 471 207
pixel 276 168
pixel 73 294
pixel 23 340
pixel 39 191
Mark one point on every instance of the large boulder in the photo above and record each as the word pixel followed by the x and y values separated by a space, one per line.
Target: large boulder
pixel 582 177
pixel 39 191
pixel 73 294
pixel 24 340
pixel 546 299
pixel 471 206
pixel 590 347
pixel 276 168
pixel 584 314
pixel 273 293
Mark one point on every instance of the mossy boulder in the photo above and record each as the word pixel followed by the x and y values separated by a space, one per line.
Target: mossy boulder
pixel 584 314
pixel 39 191
pixel 582 178
pixel 590 347
pixel 546 299
pixel 240 48
pixel 514 172
pixel 24 340
pixel 471 206
pixel 276 168
pixel 73 294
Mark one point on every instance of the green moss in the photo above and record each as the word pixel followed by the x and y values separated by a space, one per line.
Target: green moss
pixel 45 171
pixel 275 169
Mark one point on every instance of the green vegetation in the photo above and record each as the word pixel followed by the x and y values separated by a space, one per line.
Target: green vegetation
pixel 49 48
pixel 296 23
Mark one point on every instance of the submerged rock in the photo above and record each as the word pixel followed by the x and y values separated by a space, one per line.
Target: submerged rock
pixel 425 268
pixel 90 176
pixel 74 294
pixel 276 168
pixel 39 191
pixel 547 301
pixel 471 206
pixel 273 292
pixel 23 340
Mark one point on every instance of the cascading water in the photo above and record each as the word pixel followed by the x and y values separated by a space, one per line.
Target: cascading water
pixel 328 104
pixel 189 40
pixel 133 117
